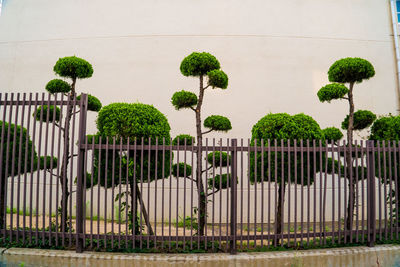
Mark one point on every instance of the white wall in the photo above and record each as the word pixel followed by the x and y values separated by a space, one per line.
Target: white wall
pixel 276 53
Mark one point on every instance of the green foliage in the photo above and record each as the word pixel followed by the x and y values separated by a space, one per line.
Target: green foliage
pixel 181 170
pixel 362 120
pixel 73 67
pixel 349 70
pixel 197 64
pixel 50 162
pixel 133 120
pixel 184 99
pixel 386 128
pixel 332 134
pixel 94 103
pixel 217 78
pixel 58 86
pixel 218 123
pixel 40 114
pixel 187 222
pixel 220 182
pixel 219 158
pixel 18 134
pixel 332 91
pixel 182 137
pixel 284 127
pixel 139 122
pixel 12 141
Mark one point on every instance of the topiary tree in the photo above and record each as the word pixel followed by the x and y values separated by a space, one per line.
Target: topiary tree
pixel 206 68
pixel 349 71
pixel 286 128
pixel 139 123
pixel 18 157
pixel 73 68
pixel 386 131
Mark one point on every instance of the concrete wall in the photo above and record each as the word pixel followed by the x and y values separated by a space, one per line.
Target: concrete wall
pixel 276 53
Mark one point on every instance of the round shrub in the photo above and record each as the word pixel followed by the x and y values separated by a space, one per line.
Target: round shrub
pixel 182 167
pixel 182 137
pixel 386 128
pixel 184 99
pixel 220 182
pixel 284 127
pixel 197 64
pixel 218 123
pixel 132 120
pixel 26 146
pixel 220 159
pixel 40 114
pixel 58 86
pixel 51 162
pixel 73 67
pixel 217 78
pixel 332 134
pixel 349 70
pixel 362 119
pixel 332 91
pixel 94 103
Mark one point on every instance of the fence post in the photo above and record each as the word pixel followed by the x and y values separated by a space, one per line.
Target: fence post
pixel 233 226
pixel 371 201
pixel 80 237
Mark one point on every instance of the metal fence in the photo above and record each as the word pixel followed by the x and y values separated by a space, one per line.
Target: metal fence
pixel 150 194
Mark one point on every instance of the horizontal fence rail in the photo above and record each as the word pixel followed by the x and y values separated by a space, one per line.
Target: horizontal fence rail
pixel 61 187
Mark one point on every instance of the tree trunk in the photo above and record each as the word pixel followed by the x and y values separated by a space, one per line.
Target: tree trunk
pixel 349 162
pixel 64 177
pixel 200 186
pixel 279 215
pixel 144 212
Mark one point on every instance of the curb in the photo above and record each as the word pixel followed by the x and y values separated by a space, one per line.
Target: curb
pixel 195 257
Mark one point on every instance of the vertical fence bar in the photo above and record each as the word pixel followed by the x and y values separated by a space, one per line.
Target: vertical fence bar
pixel 80 237
pixel 3 178
pixel 19 164
pixel 371 194
pixel 233 196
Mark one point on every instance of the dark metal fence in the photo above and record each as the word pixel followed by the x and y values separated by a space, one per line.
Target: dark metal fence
pixel 152 195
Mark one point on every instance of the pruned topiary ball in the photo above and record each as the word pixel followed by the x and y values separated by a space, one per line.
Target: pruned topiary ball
pixel 332 134
pixel 362 119
pixel 218 123
pixel 136 120
pixel 282 126
pixel 184 99
pixel 94 103
pixel 217 78
pixel 73 67
pixel 197 64
pixel 332 91
pixel 179 170
pixel 386 128
pixel 182 138
pixel 58 86
pixel 219 159
pixel 349 70
pixel 220 182
pixel 40 113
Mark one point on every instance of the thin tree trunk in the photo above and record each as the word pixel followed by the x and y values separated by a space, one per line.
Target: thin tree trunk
pixel 200 186
pixel 349 161
pixel 279 216
pixel 64 177
pixel 144 211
